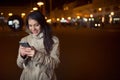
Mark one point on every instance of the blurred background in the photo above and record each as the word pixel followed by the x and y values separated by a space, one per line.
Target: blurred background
pixel 88 30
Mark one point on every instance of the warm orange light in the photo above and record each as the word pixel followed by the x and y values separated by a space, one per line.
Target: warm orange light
pixel 10 14
pixel 78 17
pixel 62 18
pixel 40 3
pixel 35 8
pixel 69 18
pixel 23 14
pixel 45 17
pixel 91 15
pixel 112 13
pixel 58 19
pixel 99 9
pixel 1 13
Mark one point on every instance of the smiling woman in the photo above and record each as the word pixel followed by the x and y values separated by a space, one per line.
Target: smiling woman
pixel 34 26
pixel 42 57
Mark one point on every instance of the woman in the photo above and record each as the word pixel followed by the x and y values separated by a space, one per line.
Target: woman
pixel 42 56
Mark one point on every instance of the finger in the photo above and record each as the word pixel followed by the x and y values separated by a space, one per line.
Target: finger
pixel 28 51
pixel 28 48
pixel 31 55
pixel 22 47
pixel 23 54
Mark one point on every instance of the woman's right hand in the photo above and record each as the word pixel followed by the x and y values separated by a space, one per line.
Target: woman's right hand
pixel 27 51
pixel 23 51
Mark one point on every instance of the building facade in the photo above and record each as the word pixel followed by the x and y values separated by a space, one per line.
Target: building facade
pixel 96 8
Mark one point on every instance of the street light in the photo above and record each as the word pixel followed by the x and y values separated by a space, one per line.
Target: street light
pixel 40 4
pixel 91 15
pixel 112 13
pixel 111 17
pixel 99 9
pixel 10 14
pixel 23 14
pixel 35 8
pixel 1 13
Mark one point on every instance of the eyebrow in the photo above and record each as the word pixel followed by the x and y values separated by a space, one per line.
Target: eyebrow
pixel 34 24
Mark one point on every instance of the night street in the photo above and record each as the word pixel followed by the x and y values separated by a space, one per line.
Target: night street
pixel 85 54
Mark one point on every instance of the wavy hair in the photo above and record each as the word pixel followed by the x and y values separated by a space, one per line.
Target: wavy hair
pixel 45 28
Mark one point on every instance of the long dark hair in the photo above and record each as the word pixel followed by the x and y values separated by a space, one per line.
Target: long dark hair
pixel 45 28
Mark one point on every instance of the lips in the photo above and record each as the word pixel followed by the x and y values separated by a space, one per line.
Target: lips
pixel 34 32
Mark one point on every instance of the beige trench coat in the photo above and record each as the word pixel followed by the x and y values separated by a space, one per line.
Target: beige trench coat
pixel 42 65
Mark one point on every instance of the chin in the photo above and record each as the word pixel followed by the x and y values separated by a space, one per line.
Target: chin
pixel 35 34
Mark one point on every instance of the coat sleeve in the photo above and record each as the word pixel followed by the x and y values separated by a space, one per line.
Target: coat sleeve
pixel 52 60
pixel 20 59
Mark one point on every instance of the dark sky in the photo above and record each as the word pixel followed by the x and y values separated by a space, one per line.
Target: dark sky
pixel 14 2
pixel 60 2
pixel 55 3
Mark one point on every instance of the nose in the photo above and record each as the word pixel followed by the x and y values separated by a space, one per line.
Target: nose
pixel 33 28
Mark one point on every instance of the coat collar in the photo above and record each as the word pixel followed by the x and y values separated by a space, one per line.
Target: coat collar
pixel 40 35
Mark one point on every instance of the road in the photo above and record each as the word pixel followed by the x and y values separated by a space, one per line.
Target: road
pixel 85 54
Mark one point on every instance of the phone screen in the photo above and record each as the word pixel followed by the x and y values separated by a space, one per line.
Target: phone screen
pixel 25 44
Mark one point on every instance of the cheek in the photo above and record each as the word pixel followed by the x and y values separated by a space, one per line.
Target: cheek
pixel 29 28
pixel 38 28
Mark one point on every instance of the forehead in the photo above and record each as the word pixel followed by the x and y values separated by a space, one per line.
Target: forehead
pixel 32 21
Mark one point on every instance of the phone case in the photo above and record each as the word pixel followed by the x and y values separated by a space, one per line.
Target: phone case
pixel 25 44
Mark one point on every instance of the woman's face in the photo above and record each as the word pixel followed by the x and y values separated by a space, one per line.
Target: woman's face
pixel 34 26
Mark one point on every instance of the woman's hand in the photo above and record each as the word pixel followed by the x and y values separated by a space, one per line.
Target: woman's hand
pixel 30 51
pixel 22 51
pixel 27 51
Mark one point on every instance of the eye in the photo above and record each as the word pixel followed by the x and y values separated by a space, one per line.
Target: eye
pixel 36 24
pixel 30 25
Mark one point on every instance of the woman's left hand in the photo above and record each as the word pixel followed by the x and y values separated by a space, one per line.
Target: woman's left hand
pixel 30 51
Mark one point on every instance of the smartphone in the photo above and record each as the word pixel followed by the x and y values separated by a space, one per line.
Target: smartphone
pixel 24 44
